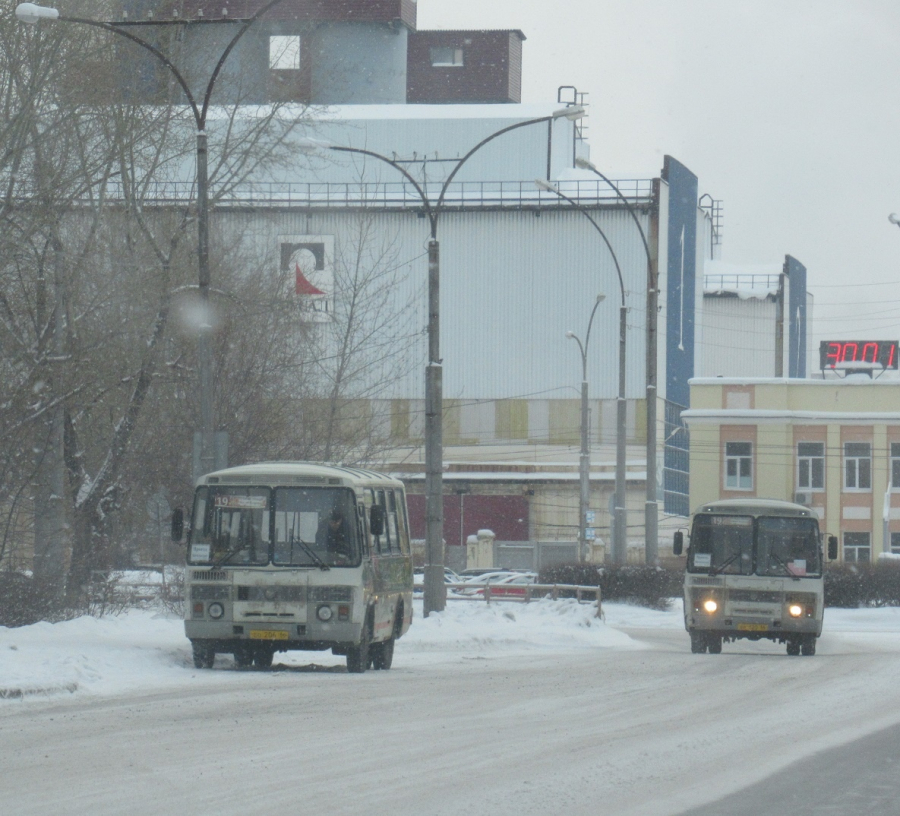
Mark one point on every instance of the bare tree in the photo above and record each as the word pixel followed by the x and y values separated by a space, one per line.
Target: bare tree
pixel 86 292
pixel 368 346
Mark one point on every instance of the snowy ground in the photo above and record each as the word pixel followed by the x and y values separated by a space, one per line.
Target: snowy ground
pixel 142 650
pixel 515 709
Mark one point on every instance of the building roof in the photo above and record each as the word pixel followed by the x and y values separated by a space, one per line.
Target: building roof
pixel 516 31
pixel 362 11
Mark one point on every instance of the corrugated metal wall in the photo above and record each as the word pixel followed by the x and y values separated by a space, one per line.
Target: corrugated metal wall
pixel 738 337
pixel 417 132
pixel 512 283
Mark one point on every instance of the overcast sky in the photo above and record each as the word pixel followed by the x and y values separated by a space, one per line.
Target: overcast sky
pixel 787 110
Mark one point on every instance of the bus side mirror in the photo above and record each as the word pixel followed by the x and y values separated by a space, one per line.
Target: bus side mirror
pixel 177 524
pixel 832 548
pixel 678 543
pixel 376 519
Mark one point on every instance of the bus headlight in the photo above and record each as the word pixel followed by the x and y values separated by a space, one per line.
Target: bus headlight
pixel 710 605
pixel 324 613
pixel 795 610
pixel 216 610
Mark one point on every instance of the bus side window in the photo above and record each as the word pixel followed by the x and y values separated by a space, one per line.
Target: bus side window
pixel 392 521
pixel 384 541
pixel 368 501
pixel 378 543
pixel 361 527
pixel 403 522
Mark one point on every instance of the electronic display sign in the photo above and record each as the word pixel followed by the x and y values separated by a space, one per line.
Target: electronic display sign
pixel 858 354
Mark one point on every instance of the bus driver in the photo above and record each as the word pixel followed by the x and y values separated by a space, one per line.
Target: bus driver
pixel 334 534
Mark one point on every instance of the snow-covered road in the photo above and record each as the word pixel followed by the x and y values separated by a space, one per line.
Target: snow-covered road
pixel 504 709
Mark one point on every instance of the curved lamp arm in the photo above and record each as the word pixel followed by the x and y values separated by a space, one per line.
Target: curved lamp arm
pixel 545 185
pixel 432 215
pixel 586 165
pixel 572 113
pixel 31 13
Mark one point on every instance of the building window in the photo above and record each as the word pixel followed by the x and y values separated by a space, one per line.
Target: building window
pixel 811 465
pixel 895 465
pixel 857 466
pixel 739 465
pixel 446 57
pixel 895 543
pixel 856 548
pixel 284 53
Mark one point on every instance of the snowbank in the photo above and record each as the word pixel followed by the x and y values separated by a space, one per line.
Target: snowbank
pixel 147 650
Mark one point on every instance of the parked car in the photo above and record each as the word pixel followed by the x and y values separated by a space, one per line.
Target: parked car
pixel 510 586
pixel 476 584
pixel 450 577
pixel 474 572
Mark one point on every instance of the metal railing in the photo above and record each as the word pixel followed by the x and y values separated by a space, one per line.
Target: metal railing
pixel 394 195
pixel 732 282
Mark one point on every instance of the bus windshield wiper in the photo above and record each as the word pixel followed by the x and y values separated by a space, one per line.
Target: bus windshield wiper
pixel 218 562
pixel 309 551
pixel 777 559
pixel 718 570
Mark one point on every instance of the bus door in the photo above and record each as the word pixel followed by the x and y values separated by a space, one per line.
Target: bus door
pixel 385 548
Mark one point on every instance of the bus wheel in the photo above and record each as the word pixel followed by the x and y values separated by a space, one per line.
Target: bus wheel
pixel 383 654
pixel 698 642
pixel 243 656
pixel 358 656
pixel 262 657
pixel 204 654
pixel 715 644
pixel 808 646
pixel 793 647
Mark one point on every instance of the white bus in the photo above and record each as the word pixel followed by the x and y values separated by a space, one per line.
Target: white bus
pixel 754 570
pixel 294 555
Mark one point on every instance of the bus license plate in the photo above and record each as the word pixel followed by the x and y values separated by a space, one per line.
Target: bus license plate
pixel 267 634
pixel 753 627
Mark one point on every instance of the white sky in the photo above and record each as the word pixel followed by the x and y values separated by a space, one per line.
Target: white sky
pixel 787 111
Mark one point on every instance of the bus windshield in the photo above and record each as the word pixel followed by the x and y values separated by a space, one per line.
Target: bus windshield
pixel 248 526
pixel 787 546
pixel 744 545
pixel 316 526
pixel 722 544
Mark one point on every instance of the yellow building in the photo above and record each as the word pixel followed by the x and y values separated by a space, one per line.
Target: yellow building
pixel 832 444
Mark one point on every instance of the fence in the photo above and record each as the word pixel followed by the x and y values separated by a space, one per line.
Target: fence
pixel 397 195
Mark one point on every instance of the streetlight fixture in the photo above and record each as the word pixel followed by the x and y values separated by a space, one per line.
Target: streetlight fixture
pixel 651 508
pixel 620 540
pixel 31 13
pixel 894 219
pixel 584 459
pixel 435 589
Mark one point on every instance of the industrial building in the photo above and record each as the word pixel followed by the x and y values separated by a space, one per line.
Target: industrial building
pixel 521 264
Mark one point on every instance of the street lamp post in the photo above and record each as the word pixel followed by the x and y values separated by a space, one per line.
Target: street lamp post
pixel 651 509
pixel 620 525
pixel 584 459
pixel 32 13
pixel 435 589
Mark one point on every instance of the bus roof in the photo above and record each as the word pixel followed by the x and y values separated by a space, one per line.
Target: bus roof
pixel 755 507
pixel 286 473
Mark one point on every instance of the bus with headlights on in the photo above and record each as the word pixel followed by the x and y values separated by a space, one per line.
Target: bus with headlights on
pixel 754 570
pixel 295 555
